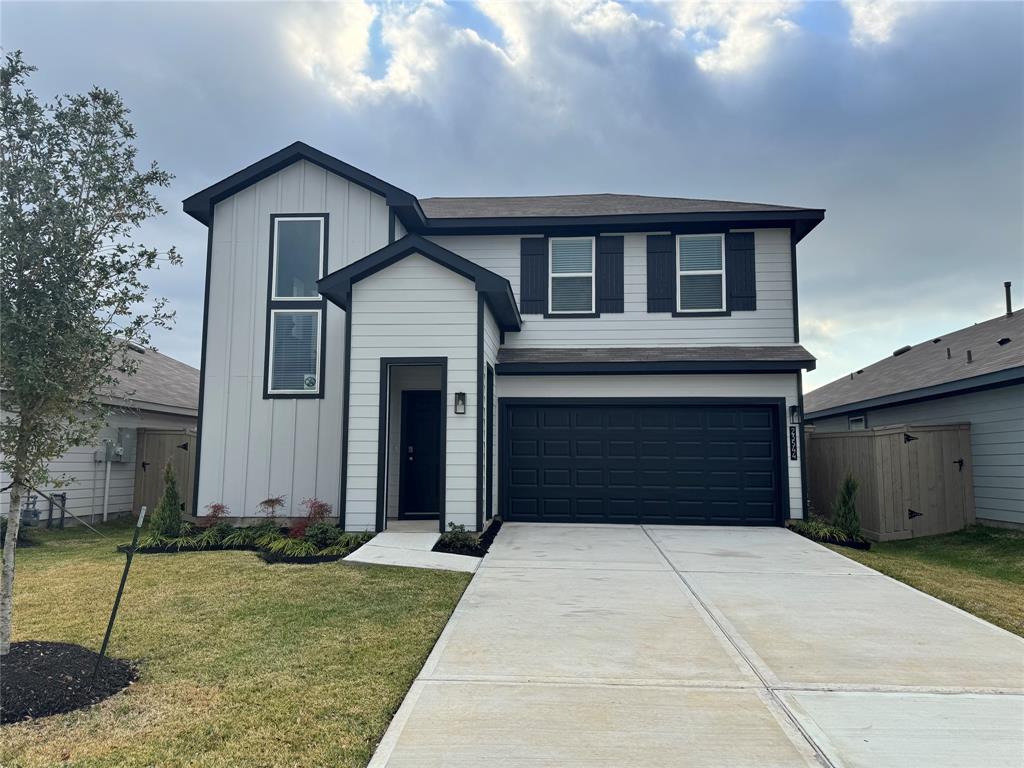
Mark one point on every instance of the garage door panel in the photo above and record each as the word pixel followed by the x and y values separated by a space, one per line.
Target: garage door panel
pixel 630 463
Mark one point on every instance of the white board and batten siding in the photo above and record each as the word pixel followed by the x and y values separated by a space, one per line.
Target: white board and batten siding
pixel 763 385
pixel 770 324
pixel 254 448
pixel 414 308
pixel 996 417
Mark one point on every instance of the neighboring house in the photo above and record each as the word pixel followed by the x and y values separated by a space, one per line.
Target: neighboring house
pixel 578 358
pixel 148 416
pixel 974 375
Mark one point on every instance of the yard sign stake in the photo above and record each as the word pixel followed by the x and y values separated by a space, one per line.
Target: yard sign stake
pixel 120 591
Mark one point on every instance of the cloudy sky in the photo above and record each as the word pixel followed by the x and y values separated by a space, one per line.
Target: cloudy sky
pixel 904 120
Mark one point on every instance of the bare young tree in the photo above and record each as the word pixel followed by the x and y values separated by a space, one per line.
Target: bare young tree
pixel 72 294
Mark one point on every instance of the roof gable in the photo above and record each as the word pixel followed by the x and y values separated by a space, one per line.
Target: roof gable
pixel 200 205
pixel 497 290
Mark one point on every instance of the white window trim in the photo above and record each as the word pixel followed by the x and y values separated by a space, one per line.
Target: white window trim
pixel 863 419
pixel 592 274
pixel 681 273
pixel 319 261
pixel 270 353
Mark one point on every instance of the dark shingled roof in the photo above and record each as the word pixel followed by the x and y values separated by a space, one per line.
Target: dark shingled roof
pixel 926 365
pixel 580 205
pixel 161 383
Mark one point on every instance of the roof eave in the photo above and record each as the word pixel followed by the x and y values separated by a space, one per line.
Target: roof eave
pixel 1004 377
pixel 651 366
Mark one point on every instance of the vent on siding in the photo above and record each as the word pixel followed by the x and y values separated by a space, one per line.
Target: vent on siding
pixel 1003 341
pixel 901 350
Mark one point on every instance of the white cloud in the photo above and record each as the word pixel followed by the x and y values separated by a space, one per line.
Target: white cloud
pixel 735 36
pixel 872 21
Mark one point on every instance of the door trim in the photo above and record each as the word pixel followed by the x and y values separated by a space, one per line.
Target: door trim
pixel 382 433
pixel 404 438
pixel 489 448
pixel 777 404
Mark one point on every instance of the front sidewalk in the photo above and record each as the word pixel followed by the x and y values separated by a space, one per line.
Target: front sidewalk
pixel 628 645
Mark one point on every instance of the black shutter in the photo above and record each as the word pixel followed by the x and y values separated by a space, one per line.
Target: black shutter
pixel 661 273
pixel 609 274
pixel 533 275
pixel 740 278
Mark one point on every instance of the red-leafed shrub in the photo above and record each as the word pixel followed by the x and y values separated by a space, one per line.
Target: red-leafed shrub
pixel 215 512
pixel 316 510
pixel 298 529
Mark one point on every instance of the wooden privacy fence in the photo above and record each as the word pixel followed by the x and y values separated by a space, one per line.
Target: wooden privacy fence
pixel 913 480
pixel 153 449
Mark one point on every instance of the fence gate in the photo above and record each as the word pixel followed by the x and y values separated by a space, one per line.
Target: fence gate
pixel 155 447
pixel 913 480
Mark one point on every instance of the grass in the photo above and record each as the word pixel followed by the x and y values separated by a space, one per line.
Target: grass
pixel 242 663
pixel 979 569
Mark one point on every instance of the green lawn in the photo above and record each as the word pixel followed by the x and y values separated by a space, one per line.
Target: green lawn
pixel 242 663
pixel 980 569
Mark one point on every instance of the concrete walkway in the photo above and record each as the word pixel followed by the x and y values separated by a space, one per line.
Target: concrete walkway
pixel 411 549
pixel 611 646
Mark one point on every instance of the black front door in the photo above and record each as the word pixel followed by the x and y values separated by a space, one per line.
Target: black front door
pixel 420 475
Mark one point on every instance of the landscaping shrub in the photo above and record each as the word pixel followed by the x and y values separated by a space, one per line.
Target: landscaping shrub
pixel 817 529
pixel 316 510
pixel 215 512
pixel 844 510
pixel 23 539
pixel 458 541
pixel 166 520
pixel 323 535
pixel 213 537
pixel 270 507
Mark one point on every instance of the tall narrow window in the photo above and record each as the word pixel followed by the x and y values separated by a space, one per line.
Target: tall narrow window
pixel 295 309
pixel 700 275
pixel 572 275
pixel 298 256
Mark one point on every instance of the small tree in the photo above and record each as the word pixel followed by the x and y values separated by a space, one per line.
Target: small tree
pixel 166 520
pixel 71 290
pixel 844 509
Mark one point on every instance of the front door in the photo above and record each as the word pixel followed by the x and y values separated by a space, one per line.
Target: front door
pixel 420 475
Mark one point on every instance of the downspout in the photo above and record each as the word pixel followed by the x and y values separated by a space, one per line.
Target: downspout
pixel 106 482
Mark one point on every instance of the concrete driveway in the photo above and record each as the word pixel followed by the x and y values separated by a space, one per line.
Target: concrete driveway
pixel 604 646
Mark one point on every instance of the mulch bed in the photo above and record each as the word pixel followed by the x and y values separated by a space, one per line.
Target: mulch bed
pixel 41 679
pixel 483 543
pixel 273 557
pixel 851 543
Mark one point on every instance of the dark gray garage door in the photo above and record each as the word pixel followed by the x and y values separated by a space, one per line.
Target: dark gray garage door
pixel 631 462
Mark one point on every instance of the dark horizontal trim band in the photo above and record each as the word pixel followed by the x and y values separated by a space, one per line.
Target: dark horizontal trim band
pixel 653 367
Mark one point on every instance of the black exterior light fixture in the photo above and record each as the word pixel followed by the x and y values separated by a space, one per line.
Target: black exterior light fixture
pixel 794 414
pixel 460 402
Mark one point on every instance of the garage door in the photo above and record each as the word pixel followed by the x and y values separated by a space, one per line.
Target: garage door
pixel 633 462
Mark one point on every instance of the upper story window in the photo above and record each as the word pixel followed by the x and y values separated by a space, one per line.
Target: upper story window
pixel 700 273
pixel 572 275
pixel 857 423
pixel 295 309
pixel 298 257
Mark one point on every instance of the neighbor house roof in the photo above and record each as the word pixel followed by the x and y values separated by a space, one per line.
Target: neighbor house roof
pixel 517 215
pixel 933 368
pixel 723 359
pixel 160 384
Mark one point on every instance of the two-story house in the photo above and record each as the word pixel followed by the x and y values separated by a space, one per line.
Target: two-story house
pixel 579 358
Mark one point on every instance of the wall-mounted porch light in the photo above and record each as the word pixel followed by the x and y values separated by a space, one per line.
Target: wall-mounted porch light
pixel 794 414
pixel 460 402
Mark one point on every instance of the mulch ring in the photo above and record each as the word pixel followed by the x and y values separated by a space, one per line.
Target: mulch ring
pixel 478 548
pixel 41 679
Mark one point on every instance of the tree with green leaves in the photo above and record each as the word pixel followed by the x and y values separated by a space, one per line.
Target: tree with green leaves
pixel 166 520
pixel 72 290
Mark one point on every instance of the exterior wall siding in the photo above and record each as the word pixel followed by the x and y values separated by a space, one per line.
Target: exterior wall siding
pixel 415 308
pixel 696 385
pixel 83 476
pixel 996 417
pixel 771 323
pixel 251 447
